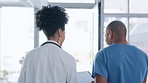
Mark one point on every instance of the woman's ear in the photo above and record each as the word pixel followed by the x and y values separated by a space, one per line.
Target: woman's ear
pixel 59 32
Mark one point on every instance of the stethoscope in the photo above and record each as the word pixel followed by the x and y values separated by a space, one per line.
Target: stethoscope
pixel 51 43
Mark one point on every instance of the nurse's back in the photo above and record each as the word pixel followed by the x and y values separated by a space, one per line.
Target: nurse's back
pixel 119 62
pixel 126 64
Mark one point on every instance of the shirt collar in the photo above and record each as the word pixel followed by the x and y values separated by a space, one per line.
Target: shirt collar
pixel 52 41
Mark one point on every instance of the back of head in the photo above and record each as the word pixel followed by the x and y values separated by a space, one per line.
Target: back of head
pixel 50 19
pixel 118 28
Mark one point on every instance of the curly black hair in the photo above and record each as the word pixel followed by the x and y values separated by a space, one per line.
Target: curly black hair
pixel 50 19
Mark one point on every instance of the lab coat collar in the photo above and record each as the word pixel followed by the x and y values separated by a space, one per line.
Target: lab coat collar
pixel 51 41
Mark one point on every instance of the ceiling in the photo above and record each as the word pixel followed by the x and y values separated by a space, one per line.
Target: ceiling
pixel 39 3
pixel 14 3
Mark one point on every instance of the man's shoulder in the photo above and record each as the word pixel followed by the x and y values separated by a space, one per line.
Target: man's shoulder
pixel 106 48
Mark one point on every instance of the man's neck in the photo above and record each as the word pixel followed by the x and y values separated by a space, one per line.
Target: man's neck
pixel 121 41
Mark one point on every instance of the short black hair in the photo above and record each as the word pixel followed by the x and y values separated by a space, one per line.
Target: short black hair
pixel 50 19
pixel 117 27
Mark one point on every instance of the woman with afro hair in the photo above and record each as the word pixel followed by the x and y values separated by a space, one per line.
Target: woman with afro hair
pixel 49 63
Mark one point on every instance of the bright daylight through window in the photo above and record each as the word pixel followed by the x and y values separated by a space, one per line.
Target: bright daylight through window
pixel 16 38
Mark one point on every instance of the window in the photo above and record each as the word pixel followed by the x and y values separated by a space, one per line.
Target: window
pixel 115 6
pixel 135 17
pixel 138 6
pixel 138 33
pixel 16 38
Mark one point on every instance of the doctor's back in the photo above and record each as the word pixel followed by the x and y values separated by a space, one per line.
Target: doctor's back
pixel 49 63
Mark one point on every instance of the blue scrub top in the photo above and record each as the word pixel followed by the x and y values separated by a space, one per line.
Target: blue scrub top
pixel 121 63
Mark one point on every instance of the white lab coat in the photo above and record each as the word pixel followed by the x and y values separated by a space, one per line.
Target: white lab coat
pixel 48 64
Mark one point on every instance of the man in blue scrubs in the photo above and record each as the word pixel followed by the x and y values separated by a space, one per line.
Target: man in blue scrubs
pixel 120 62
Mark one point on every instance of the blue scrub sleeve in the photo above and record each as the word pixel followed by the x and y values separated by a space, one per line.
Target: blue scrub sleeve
pixel 100 65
